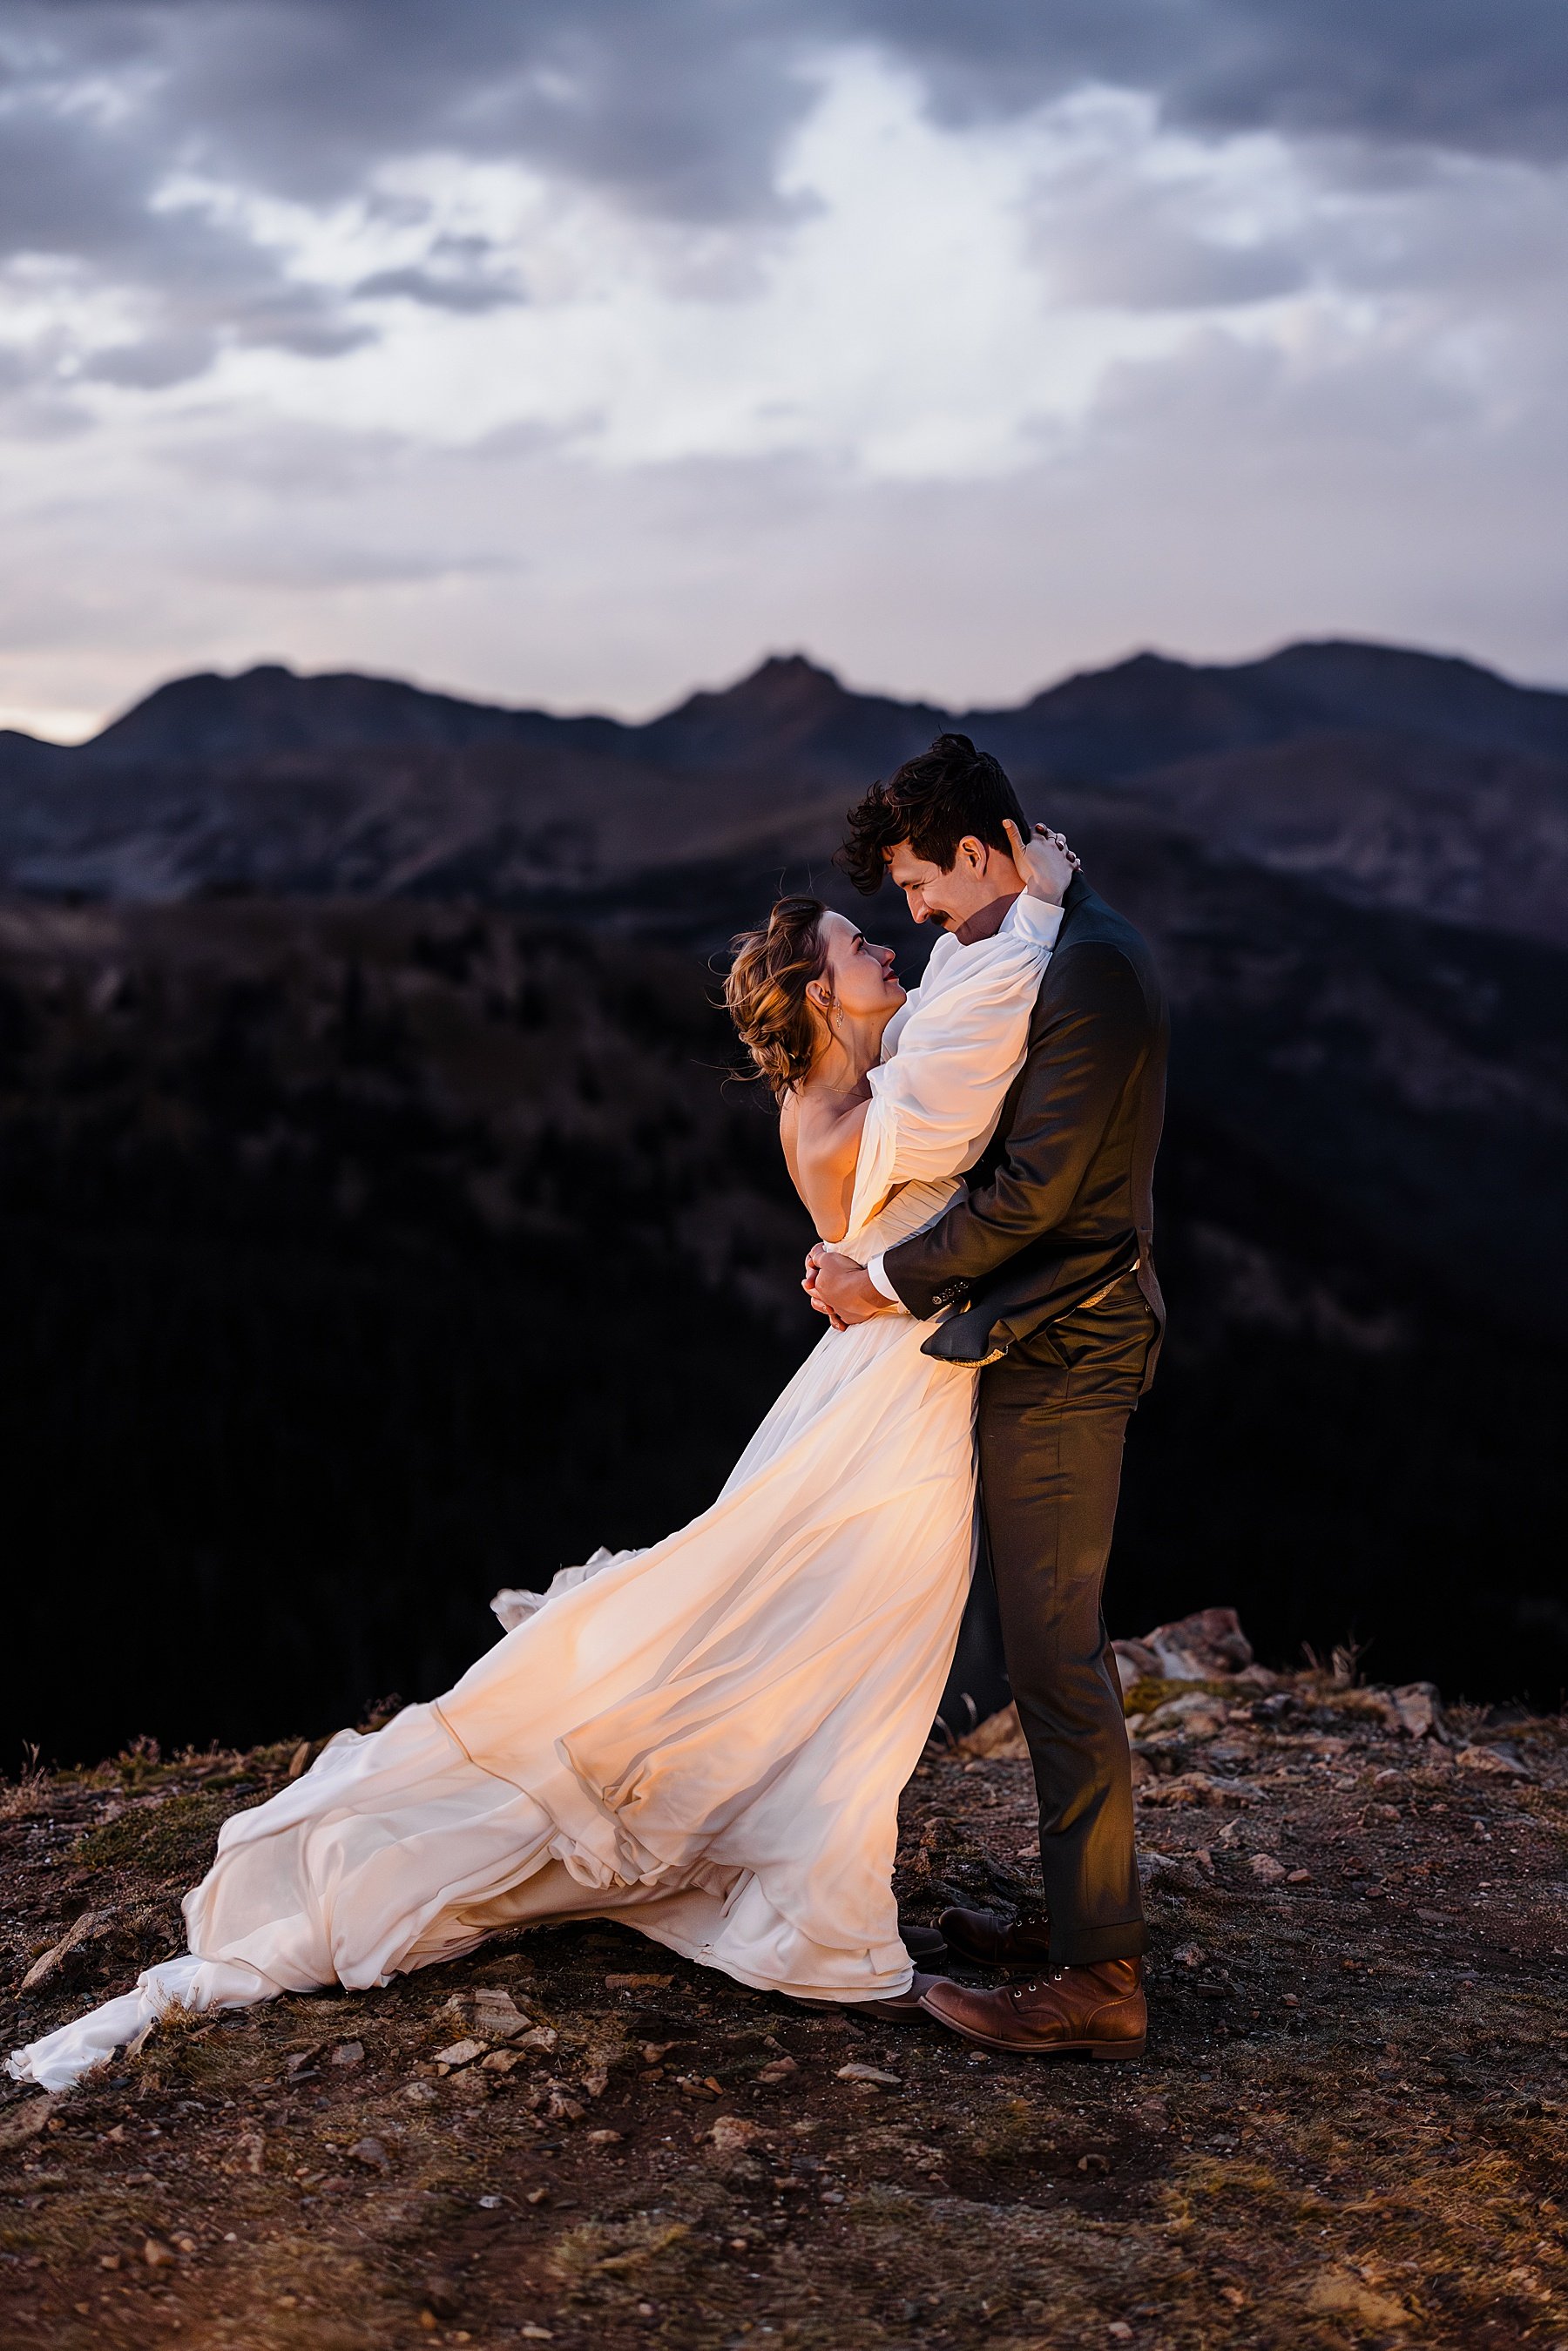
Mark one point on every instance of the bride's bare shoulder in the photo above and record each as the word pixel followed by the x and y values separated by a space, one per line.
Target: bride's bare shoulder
pixel 821 1136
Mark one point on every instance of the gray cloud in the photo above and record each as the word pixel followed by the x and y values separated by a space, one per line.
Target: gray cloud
pixel 1404 485
pixel 675 110
pixel 1441 73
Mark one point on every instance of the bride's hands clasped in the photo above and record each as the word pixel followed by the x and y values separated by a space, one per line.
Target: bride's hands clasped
pixel 1045 863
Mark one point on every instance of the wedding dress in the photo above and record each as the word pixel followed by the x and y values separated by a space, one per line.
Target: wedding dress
pixel 707 1738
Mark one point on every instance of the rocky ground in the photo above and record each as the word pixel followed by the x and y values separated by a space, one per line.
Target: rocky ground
pixel 1349 2127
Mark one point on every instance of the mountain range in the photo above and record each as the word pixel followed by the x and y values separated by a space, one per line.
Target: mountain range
pixel 1388 776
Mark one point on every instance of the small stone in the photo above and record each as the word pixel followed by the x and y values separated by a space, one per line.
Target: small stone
pixel 536 2334
pixel 778 2070
pixel 186 2244
pixel 872 2074
pixel 372 2154
pixel 157 2254
pixel 542 2036
pixel 496 2015
pixel 461 2053
pixel 25 2122
pixel 737 2244
pixel 1119 2331
pixel 499 2061
pixel 1298 1878
pixel 596 2083
pixel 604 2139
pixel 1388 1813
pixel 491 2203
pixel 654 2050
pixel 53 1958
pixel 536 2195
pixel 1337 2289
pixel 109 2261
pixel 1501 1761
pixel 1188 1955
pixel 1265 1867
pixel 1420 1715
pixel 349 2052
pixel 732 2132
pixel 561 2109
pixel 1290 2001
pixel 421 2094
pixel 637 1983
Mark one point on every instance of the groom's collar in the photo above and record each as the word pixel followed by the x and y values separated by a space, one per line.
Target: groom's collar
pixel 1077 893
pixel 988 921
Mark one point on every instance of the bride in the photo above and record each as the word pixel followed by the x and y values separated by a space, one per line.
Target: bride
pixel 706 1738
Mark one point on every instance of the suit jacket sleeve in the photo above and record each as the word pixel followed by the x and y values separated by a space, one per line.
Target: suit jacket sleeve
pixel 1095 1032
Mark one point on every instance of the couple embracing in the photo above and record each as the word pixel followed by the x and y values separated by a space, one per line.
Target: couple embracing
pixel 707 1739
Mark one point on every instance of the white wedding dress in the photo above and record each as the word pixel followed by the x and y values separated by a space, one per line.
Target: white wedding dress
pixel 706 1738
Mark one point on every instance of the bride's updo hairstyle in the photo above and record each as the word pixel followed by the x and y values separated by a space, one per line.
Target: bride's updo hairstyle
pixel 765 991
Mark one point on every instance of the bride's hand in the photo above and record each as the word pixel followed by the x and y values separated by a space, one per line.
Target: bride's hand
pixel 1045 863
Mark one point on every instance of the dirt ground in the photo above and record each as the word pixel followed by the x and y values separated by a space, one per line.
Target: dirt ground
pixel 1350 2126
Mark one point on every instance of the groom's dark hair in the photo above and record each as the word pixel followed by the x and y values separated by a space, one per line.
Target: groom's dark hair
pixel 934 802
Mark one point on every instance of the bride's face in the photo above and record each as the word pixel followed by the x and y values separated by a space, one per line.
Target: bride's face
pixel 859 976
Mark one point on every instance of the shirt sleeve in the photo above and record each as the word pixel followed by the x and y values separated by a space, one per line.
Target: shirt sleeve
pixel 1037 920
pixel 879 1281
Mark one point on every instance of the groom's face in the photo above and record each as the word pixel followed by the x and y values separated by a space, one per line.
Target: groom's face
pixel 976 877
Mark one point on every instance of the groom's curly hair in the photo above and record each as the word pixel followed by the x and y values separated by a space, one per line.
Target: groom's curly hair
pixel 934 802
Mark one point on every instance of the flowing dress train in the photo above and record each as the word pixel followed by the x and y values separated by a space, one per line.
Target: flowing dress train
pixel 707 1738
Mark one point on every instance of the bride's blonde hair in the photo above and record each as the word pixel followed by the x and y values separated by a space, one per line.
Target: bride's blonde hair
pixel 765 991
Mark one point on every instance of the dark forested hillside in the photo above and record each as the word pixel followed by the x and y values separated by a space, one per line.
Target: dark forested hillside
pixel 359 1259
pixel 377 1225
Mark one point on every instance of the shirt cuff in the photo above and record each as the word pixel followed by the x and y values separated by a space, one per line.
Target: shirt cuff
pixel 1034 918
pixel 878 1272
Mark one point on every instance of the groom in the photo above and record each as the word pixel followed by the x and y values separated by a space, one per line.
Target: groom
pixel 1044 1274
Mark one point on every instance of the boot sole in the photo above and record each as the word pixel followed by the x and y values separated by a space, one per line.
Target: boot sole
pixel 1110 2050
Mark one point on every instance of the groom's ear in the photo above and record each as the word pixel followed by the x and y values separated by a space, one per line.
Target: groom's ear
pixel 972 853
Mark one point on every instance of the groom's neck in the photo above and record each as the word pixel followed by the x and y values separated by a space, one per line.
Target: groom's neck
pixel 987 920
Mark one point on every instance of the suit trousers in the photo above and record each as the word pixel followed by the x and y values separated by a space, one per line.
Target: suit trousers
pixel 1053 1419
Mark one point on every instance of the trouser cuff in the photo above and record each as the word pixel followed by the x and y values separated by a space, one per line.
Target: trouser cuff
pixel 1085 1947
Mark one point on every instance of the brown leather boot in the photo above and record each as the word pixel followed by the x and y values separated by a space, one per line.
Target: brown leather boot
pixel 1098 2012
pixel 981 1936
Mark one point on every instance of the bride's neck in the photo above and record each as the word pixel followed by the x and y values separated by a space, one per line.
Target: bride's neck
pixel 853 1047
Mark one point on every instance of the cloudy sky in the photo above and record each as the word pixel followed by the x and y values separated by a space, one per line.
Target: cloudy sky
pixel 577 351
